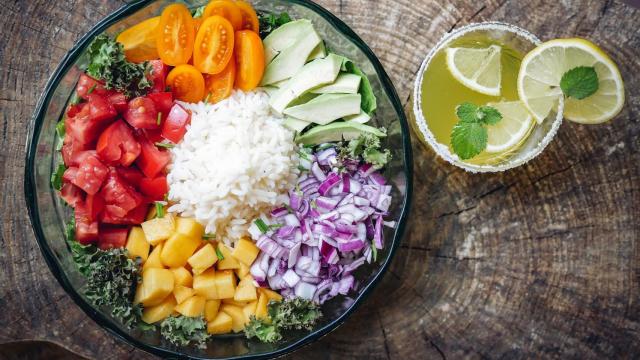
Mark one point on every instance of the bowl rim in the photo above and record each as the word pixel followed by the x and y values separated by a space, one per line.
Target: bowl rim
pixel 35 128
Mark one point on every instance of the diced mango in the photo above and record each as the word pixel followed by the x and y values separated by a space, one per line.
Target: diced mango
pixel 249 310
pixel 157 283
pixel 178 249
pixel 245 290
pixel 245 251
pixel 229 262
pixel 139 293
pixel 159 312
pixel 189 227
pixel 222 324
pixel 181 293
pixel 205 285
pixel 225 284
pixel 237 315
pixel 242 271
pixel 233 302
pixel 157 230
pixel 271 295
pixel 203 258
pixel 192 307
pixel 137 245
pixel 211 308
pixel 153 261
pixel 182 276
pixel 261 307
pixel 151 214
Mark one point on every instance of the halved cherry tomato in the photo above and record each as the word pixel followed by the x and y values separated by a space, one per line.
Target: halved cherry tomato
pixel 225 8
pixel 94 204
pixel 88 85
pixel 175 125
pixel 249 17
pixel 133 217
pixel 213 47
pixel 175 43
pixel 219 86
pixel 139 41
pixel 117 145
pixel 250 60
pixel 112 237
pixel 142 113
pixel 163 101
pixel 71 194
pixel 158 74
pixel 91 174
pixel 196 25
pixel 152 160
pixel 86 230
pixel 186 83
pixel 155 188
pixel 119 197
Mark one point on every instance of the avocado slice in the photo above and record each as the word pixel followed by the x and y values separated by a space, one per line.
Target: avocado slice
pixel 361 118
pixel 337 131
pixel 291 59
pixel 284 37
pixel 319 52
pixel 344 84
pixel 326 108
pixel 294 124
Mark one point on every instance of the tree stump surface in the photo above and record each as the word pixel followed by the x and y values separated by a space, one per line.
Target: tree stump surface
pixel 542 261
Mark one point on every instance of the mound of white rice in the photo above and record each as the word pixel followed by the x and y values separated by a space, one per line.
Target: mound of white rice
pixel 236 162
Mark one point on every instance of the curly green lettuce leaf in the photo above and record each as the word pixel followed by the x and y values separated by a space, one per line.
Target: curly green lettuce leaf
pixel 368 148
pixel 183 331
pixel 268 333
pixel 294 313
pixel 270 21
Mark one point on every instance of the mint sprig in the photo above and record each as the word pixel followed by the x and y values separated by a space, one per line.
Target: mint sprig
pixel 469 135
pixel 579 82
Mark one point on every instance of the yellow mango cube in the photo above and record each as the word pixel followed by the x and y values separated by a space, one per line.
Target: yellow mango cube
pixel 271 295
pixel 189 227
pixel 225 284
pixel 233 302
pixel 229 262
pixel 157 230
pixel 137 245
pixel 182 276
pixel 181 293
pixel 153 261
pixel 192 307
pixel 139 292
pixel 237 316
pixel 242 271
pixel 203 259
pixel 245 251
pixel 246 291
pixel 157 284
pixel 249 310
pixel 222 324
pixel 159 312
pixel 211 308
pixel 178 249
pixel 205 285
pixel 261 307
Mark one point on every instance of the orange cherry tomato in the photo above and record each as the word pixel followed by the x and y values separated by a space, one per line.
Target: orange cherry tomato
pixel 139 41
pixel 249 59
pixel 186 83
pixel 196 24
pixel 175 40
pixel 214 45
pixel 219 86
pixel 227 9
pixel 249 17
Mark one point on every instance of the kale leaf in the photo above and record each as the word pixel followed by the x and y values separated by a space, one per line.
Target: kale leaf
pixel 182 331
pixel 367 147
pixel 294 313
pixel 270 22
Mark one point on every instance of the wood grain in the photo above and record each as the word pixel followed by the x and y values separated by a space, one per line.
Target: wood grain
pixel 539 262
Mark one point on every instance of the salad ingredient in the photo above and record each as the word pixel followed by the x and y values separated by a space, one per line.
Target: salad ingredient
pixel 294 124
pixel 249 17
pixel 191 307
pixel 178 249
pixel 361 118
pixel 107 63
pixel 284 36
pixel 186 83
pixel 226 9
pixel 477 69
pixel 290 60
pixel 137 245
pixel 203 259
pixel 139 41
pixel 319 52
pixel 152 161
pixel 156 285
pixel 158 229
pixel 326 108
pixel 293 313
pixel 245 251
pixel 117 145
pixel 219 86
pixel 175 125
pixel 214 45
pixel 270 22
pixel 345 84
pixel 250 172
pixel 540 90
pixel 469 135
pixel 177 32
pixel 222 324
pixel 154 314
pixel 368 104
pixel 154 188
pixel 250 60
pixel 337 131
pixel 367 146
pixel 513 130
pixel 142 113
pixel 227 262
pixel 159 71
pixel 183 330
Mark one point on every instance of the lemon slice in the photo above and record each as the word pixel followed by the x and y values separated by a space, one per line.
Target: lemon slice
pixel 542 69
pixel 512 129
pixel 477 69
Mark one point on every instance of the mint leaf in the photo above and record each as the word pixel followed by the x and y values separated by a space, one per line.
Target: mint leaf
pixel 579 82
pixel 489 115
pixel 467 112
pixel 468 139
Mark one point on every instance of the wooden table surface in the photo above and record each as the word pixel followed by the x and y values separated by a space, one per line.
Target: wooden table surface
pixel 540 261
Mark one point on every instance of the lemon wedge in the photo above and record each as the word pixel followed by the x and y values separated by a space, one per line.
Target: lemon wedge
pixel 542 69
pixel 477 69
pixel 512 129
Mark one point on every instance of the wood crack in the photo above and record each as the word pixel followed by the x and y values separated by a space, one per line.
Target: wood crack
pixel 384 335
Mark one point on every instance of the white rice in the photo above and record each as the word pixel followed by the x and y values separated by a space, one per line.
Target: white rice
pixel 236 162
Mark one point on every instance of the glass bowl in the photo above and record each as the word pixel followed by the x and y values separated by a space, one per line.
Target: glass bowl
pixel 48 214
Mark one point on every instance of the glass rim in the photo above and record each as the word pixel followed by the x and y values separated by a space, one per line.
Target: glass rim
pixel 441 149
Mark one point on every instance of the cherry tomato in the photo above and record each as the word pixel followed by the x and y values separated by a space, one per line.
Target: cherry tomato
pixel 133 217
pixel 154 188
pixel 142 113
pixel 71 194
pixel 175 43
pixel 225 8
pixel 86 230
pixel 112 237
pixel 250 60
pixel 91 174
pixel 163 102
pixel 139 41
pixel 117 145
pixel 158 74
pixel 152 160
pixel 249 17
pixel 214 45
pixel 175 126
pixel 88 85
pixel 186 83
pixel 119 197
pixel 219 86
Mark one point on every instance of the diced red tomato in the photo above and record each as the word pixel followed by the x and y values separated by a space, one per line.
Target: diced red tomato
pixel 70 174
pixel 117 145
pixel 91 174
pixel 71 148
pixel 163 101
pixel 142 113
pixel 112 237
pixel 94 204
pixel 119 196
pixel 73 109
pixel 86 230
pixel 85 129
pixel 152 160
pixel 133 217
pixel 131 175
pixel 101 110
pixel 175 125
pixel 118 101
pixel 80 156
pixel 154 135
pixel 159 71
pixel 86 83
pixel 71 194
pixel 155 188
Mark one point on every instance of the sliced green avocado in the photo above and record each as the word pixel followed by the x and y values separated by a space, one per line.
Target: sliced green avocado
pixel 361 118
pixel 344 84
pixel 291 59
pixel 294 124
pixel 284 37
pixel 337 131
pixel 319 52
pixel 326 108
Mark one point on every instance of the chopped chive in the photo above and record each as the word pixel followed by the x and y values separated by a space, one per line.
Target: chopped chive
pixel 75 98
pixel 91 89
pixel 209 236
pixel 165 145
pixel 159 210
pixel 302 168
pixel 374 252
pixel 206 100
pixel 275 226
pixel 219 254
pixel 288 208
pixel 261 225
pixel 159 119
